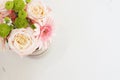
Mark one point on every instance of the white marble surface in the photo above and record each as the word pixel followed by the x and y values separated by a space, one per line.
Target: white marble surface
pixel 87 45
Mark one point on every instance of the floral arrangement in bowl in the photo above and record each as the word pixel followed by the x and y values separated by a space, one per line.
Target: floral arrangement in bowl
pixel 25 26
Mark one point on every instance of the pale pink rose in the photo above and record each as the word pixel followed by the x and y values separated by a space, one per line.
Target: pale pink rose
pixel 37 11
pixel 3 11
pixel 3 14
pixel 23 42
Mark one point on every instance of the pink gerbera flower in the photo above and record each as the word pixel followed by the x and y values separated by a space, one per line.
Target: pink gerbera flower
pixel 46 30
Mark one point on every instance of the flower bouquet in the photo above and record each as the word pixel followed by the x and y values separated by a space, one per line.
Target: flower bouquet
pixel 26 26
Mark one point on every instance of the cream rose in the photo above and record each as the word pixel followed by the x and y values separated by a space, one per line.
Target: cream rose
pixel 37 11
pixel 3 11
pixel 23 42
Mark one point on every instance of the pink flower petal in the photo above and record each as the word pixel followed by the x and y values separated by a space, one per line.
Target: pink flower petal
pixel 47 30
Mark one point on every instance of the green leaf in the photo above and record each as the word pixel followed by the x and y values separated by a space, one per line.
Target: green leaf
pixel 4 30
pixel 33 26
pixel 9 5
pixel 21 23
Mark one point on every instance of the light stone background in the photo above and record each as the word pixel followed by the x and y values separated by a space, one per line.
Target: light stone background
pixel 86 45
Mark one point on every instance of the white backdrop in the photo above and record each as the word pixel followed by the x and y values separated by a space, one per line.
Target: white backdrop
pixel 86 45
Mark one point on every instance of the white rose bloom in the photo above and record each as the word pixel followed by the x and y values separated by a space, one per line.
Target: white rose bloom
pixel 23 42
pixel 37 11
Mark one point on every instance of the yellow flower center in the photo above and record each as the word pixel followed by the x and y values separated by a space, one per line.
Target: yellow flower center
pixel 38 11
pixel 21 40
